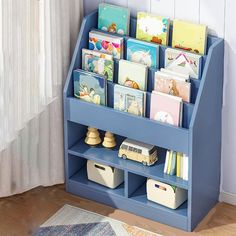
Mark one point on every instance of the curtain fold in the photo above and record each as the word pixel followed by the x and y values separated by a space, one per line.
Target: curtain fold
pixel 37 38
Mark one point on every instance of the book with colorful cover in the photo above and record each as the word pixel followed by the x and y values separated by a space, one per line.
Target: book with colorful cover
pixel 129 100
pixel 103 42
pixel 189 36
pixel 143 52
pixel 178 75
pixel 98 65
pixel 167 84
pixel 152 28
pixel 90 87
pixel 133 75
pixel 113 19
pixel 183 62
pixel 166 108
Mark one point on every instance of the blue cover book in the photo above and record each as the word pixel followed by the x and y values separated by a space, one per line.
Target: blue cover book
pixel 129 100
pixel 143 53
pixel 90 87
pixel 113 19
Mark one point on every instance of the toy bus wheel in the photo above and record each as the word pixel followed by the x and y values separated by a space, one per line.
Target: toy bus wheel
pixel 124 156
pixel 144 163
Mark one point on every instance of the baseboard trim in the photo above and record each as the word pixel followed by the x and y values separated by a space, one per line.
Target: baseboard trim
pixel 228 198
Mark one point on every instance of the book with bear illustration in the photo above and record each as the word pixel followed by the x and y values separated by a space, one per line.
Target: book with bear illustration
pixel 96 62
pixel 142 52
pixel 90 87
pixel 106 43
pixel 166 108
pixel 152 28
pixel 129 100
pixel 133 75
pixel 189 36
pixel 166 83
pixel 183 62
pixel 113 19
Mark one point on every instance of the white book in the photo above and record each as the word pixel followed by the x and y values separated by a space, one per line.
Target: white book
pixel 167 161
pixel 185 167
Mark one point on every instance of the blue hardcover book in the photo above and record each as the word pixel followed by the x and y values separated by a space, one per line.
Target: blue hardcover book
pixel 90 87
pixel 113 19
pixel 143 53
pixel 129 100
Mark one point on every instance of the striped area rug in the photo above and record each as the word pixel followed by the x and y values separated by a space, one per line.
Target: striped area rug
pixel 74 221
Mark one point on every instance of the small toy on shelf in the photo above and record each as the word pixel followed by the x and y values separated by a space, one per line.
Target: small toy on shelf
pixel 138 151
pixel 92 137
pixel 109 140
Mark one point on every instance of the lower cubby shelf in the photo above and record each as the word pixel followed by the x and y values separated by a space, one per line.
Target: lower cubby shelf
pixel 110 157
pixel 79 184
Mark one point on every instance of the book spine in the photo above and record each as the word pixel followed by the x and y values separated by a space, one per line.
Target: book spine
pixel 185 165
pixel 178 169
pixel 167 161
pixel 173 164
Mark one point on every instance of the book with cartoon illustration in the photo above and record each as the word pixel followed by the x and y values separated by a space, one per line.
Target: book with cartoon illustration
pixel 97 63
pixel 113 19
pixel 183 62
pixel 142 52
pixel 167 84
pixel 90 87
pixel 133 75
pixel 152 28
pixel 189 36
pixel 106 43
pixel 166 108
pixel 129 100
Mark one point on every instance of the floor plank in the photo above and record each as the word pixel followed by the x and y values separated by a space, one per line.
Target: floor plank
pixel 22 214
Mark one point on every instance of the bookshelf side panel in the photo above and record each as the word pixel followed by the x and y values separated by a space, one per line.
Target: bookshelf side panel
pixel 205 138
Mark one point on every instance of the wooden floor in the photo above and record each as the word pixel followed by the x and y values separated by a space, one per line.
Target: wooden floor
pixel 22 214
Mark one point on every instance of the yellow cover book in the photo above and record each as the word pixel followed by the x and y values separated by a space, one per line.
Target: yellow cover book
pixel 179 159
pixel 189 36
pixel 170 162
pixel 152 28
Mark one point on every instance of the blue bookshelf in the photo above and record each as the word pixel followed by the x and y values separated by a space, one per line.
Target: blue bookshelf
pixel 199 138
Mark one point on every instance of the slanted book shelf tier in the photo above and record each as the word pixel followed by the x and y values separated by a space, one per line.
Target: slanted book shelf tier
pixel 199 138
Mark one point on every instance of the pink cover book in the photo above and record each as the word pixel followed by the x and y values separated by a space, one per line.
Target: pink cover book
pixel 166 108
pixel 173 87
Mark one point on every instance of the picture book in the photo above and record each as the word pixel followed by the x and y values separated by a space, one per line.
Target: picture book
pixel 178 75
pixel 166 84
pixel 129 100
pixel 183 62
pixel 152 28
pixel 166 108
pixel 96 53
pixel 113 19
pixel 173 164
pixel 143 52
pixel 133 75
pixel 166 161
pixel 178 166
pixel 185 167
pixel 189 36
pixel 98 65
pixel 90 87
pixel 106 43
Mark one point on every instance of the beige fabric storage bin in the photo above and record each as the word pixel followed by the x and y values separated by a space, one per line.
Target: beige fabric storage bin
pixel 104 175
pixel 165 195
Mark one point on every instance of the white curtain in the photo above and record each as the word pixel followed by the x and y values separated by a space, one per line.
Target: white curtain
pixel 37 38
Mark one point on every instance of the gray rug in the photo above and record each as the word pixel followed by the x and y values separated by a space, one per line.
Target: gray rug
pixel 74 221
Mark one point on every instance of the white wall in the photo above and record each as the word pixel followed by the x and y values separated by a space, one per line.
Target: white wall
pixel 219 15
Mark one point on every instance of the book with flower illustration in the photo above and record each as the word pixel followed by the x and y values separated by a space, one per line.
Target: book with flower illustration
pixel 152 28
pixel 189 36
pixel 166 108
pixel 166 83
pixel 142 52
pixel 113 19
pixel 129 100
pixel 99 63
pixel 90 87
pixel 106 43
pixel 133 75
pixel 183 62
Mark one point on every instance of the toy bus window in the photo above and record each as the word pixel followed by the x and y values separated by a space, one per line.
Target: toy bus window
pixel 124 146
pixel 131 148
pixel 135 150
pixel 139 151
